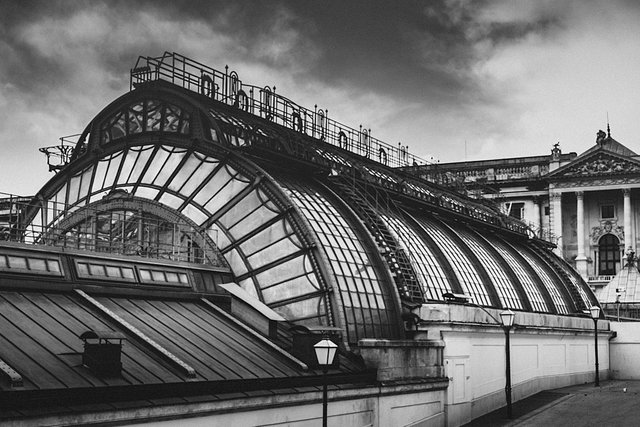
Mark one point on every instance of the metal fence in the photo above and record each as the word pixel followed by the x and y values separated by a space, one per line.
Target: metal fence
pixel 264 102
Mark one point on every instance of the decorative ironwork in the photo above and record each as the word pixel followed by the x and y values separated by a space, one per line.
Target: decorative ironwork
pixel 58 156
pixel 264 102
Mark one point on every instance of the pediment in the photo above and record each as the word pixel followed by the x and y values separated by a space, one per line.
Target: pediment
pixel 598 164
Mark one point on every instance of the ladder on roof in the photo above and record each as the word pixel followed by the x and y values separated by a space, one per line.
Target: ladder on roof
pixel 396 258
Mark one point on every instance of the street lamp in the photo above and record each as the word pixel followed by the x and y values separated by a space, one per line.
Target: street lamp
pixel 325 352
pixel 507 322
pixel 595 314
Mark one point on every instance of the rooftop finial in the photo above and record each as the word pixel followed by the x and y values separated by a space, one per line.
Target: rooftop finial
pixel 608 128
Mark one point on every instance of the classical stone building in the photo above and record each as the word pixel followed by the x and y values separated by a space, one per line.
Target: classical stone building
pixel 584 204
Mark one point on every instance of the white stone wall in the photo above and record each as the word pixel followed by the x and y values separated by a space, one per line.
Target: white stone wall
pixel 392 406
pixel 547 352
pixel 624 351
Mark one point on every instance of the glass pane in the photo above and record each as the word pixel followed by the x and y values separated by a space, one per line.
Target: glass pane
pixel 431 275
pixel 501 282
pixel 465 271
pixel 156 165
pixel 184 173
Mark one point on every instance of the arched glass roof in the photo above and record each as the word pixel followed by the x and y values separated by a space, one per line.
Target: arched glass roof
pixel 317 251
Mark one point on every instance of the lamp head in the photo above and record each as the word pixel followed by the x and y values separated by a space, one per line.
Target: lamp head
pixel 595 312
pixel 507 317
pixel 325 352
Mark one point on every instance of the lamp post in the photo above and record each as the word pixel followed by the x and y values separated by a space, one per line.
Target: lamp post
pixel 325 352
pixel 507 322
pixel 595 314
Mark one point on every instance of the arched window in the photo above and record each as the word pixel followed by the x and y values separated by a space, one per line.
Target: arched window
pixel 608 254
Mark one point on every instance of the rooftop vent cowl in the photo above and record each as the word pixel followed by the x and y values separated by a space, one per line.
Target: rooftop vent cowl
pixel 102 351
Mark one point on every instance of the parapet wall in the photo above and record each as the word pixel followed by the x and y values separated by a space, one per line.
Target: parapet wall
pixel 547 351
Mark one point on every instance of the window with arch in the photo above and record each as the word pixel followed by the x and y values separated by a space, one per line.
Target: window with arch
pixel 608 254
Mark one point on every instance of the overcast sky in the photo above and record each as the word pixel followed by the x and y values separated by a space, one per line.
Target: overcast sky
pixel 454 80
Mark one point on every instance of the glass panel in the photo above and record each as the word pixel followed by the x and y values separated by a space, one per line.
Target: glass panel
pixel 431 276
pixel 83 269
pixel 301 309
pixel 114 164
pixel 184 173
pixel 154 115
pixel 199 176
pixel 171 118
pixel 143 159
pixel 37 264
pixel 53 265
pixel 146 192
pixel 194 214
pixel 225 195
pixel 463 268
pixel 127 166
pixel 275 251
pixel 86 180
pixel 359 286
pixel 113 271
pixel 136 118
pixel 127 273
pixel 501 282
pixel 535 296
pixel 170 200
pixel 156 165
pixel 74 188
pixel 17 262
pixel 549 283
pixel 170 166
pixel 214 184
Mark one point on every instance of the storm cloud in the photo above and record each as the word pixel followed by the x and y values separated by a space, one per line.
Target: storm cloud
pixel 451 79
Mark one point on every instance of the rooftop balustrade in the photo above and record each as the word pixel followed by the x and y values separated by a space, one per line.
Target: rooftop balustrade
pixel 264 102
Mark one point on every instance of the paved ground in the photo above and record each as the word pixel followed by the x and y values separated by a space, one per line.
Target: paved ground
pixel 614 403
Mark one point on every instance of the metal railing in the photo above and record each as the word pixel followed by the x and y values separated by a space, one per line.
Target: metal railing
pixel 127 232
pixel 265 103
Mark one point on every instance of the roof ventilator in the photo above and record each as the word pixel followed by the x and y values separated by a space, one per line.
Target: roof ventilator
pixel 102 351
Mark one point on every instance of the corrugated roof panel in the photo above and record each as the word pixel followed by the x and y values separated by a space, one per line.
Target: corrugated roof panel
pixel 39 338
pixel 216 349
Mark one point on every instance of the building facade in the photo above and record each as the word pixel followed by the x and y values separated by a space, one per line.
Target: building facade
pixel 584 204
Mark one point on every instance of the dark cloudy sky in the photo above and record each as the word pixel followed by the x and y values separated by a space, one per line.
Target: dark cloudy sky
pixel 509 78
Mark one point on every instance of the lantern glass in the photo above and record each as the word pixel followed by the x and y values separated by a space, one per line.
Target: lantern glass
pixel 595 312
pixel 325 352
pixel 507 317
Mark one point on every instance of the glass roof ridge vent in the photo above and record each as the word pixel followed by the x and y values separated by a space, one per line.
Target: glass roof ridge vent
pixel 227 87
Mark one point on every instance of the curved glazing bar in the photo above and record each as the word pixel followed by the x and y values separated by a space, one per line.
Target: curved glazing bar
pixel 432 278
pixel 551 284
pixel 366 304
pixel 254 235
pixel 462 266
pixel 501 282
pixel 535 296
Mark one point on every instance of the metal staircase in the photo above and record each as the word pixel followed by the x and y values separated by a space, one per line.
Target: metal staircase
pixel 397 259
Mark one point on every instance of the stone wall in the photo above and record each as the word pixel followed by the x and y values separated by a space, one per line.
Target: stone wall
pixel 547 351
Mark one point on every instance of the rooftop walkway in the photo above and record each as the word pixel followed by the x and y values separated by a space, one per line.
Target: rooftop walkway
pixel 613 403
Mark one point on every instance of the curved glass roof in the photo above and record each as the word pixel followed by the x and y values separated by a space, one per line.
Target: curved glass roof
pixel 293 238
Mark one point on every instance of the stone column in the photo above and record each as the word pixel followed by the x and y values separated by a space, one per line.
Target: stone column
pixel 556 221
pixel 537 221
pixel 629 238
pixel 581 259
